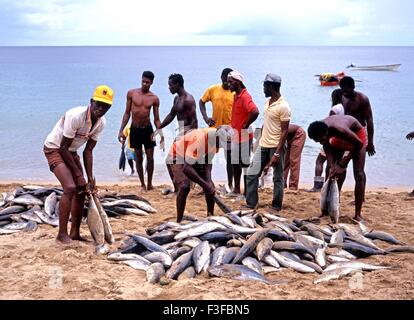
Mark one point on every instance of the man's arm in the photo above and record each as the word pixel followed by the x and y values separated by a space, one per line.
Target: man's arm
pixel 156 110
pixel 88 159
pixel 68 159
pixel 370 127
pixel 210 122
pixel 252 116
pixel 170 117
pixel 282 140
pixel 125 118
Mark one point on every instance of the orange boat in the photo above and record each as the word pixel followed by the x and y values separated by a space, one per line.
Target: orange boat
pixel 331 79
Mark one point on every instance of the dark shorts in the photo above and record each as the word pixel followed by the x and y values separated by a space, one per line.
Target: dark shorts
pixel 179 177
pixel 240 153
pixel 54 158
pixel 141 137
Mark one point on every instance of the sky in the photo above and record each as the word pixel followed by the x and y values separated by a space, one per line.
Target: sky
pixel 213 22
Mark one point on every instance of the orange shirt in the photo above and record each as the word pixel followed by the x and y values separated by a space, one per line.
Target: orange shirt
pixel 195 144
pixel 243 104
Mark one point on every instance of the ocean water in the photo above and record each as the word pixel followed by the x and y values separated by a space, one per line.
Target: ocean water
pixel 38 84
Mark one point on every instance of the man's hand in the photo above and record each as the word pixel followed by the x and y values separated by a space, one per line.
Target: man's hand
pixel 336 171
pixel 209 188
pixel 80 182
pixel 121 137
pixel 155 133
pixel 370 149
pixel 410 136
pixel 210 122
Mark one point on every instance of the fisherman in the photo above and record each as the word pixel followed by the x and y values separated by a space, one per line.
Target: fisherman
pixel 244 113
pixel 271 150
pixel 184 108
pixel 336 109
pixel 410 136
pixel 138 105
pixel 221 99
pixel 295 141
pixel 78 126
pixel 338 134
pixel 191 160
pixel 129 152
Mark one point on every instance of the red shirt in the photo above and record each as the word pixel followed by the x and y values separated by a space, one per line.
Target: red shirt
pixel 243 105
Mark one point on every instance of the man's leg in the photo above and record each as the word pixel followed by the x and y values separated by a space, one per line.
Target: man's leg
pixel 260 159
pixel 131 165
pixel 360 181
pixel 287 167
pixel 140 170
pixel 65 178
pixel 206 176
pixel 170 172
pixel 150 166
pixel 229 167
pixel 237 172
pixel 183 185
pixel 78 202
pixel 295 158
pixel 278 182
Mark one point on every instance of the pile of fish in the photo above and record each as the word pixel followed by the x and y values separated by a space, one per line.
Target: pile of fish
pixel 248 245
pixel 27 206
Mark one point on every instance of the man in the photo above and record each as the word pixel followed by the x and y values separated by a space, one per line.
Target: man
pixel 222 99
pixel 78 126
pixel 410 136
pixel 338 134
pixel 271 150
pixel 139 104
pixel 191 160
pixel 244 113
pixel 295 141
pixel 184 108
pixel 357 104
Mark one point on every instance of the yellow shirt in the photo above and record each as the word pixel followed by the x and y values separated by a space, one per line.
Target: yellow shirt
pixel 222 101
pixel 274 114
pixel 126 133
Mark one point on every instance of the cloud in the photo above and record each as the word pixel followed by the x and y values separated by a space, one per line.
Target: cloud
pixel 214 22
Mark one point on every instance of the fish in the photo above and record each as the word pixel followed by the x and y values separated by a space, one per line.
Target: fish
pixel 200 230
pixel 50 203
pixel 31 226
pixel 356 265
pixel 154 272
pixel 291 246
pixel 191 242
pixel 122 159
pixel 333 201
pixel 401 249
pixel 363 241
pixel 273 217
pixel 8 231
pixel 230 254
pixel 109 237
pixel 383 236
pixel 137 264
pixel 334 259
pixel 147 243
pixel 27 200
pixel 235 243
pixel 270 269
pixel 118 256
pixel 338 237
pixel 359 250
pixel 271 261
pixel 335 274
pixel 278 235
pixel 237 272
pixel 253 264
pixel 12 210
pixel 250 245
pixel 179 265
pixel 53 221
pixel 201 256
pixel 94 223
pixel 288 263
pixel 177 252
pixel 161 257
pixel 320 257
pixel 234 218
pixel 166 236
pixel 217 236
pixel 132 203
pixel 263 248
pixel 188 273
pixel 324 198
pixel 249 222
pixel 223 207
pixel 217 256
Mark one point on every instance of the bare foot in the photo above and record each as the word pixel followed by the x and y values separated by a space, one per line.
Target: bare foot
pixel 63 238
pixel 78 238
pixel 150 187
pixel 143 188
pixel 359 218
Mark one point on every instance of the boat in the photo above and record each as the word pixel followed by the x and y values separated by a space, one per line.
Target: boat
pixel 330 79
pixel 385 67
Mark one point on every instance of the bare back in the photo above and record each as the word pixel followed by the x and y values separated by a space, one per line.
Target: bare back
pixel 359 107
pixel 140 104
pixel 341 124
pixel 185 109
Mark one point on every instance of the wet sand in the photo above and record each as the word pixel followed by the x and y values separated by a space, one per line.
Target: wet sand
pixel 34 266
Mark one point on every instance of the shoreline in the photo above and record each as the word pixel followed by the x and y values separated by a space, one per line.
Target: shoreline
pixel 303 187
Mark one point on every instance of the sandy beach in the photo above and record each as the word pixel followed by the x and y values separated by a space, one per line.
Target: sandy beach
pixel 34 266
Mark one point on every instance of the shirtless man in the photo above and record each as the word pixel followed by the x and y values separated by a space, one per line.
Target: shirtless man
pixel 338 134
pixel 139 104
pixel 184 108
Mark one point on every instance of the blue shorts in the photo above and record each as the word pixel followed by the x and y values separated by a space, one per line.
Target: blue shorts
pixel 130 155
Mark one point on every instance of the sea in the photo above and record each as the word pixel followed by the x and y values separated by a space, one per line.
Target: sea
pixel 38 84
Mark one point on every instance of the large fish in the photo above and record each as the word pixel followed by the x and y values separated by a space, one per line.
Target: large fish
pixel 131 203
pixel 201 256
pixel 383 236
pixel 109 237
pixel 122 159
pixel 200 230
pixel 401 249
pixel 237 272
pixel 52 220
pixel 263 248
pixel 179 265
pixel 292 246
pixel 356 265
pixel 188 273
pixel 288 263
pixel 217 256
pixel 253 264
pixel 50 203
pixel 333 201
pixel 161 257
pixel 27 200
pixel 95 223
pixel 336 274
pixel 250 245
pixel 154 272
pixel 150 245
pixel 324 197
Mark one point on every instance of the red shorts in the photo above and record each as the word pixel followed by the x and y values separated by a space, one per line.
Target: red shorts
pixel 342 144
pixel 54 158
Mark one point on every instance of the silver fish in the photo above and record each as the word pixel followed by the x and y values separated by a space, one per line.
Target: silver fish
pixel 27 200
pixel 252 264
pixel 336 274
pixel 338 237
pixel 217 256
pixel 12 210
pixel 383 236
pixel 199 230
pixel 320 257
pixel 118 256
pixel 271 261
pixel 154 272
pixel 324 197
pixel 53 221
pixel 150 245
pixel 263 248
pixel 288 263
pixel 237 272
pixel 137 264
pixel 50 203
pixel 134 203
pixel 356 265
pixel 235 243
pixel 160 257
pixel 250 245
pixel 94 223
pixel 401 249
pixel 201 256
pixel 109 237
pixel 188 273
pixel 270 269
pixel 333 201
pixel 179 265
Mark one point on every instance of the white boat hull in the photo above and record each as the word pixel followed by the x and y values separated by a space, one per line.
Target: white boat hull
pixel 388 67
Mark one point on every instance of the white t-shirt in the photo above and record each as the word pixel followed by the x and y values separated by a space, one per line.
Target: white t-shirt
pixel 338 109
pixel 76 124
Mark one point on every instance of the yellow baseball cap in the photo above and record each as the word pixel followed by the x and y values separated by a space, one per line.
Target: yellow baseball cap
pixel 104 94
